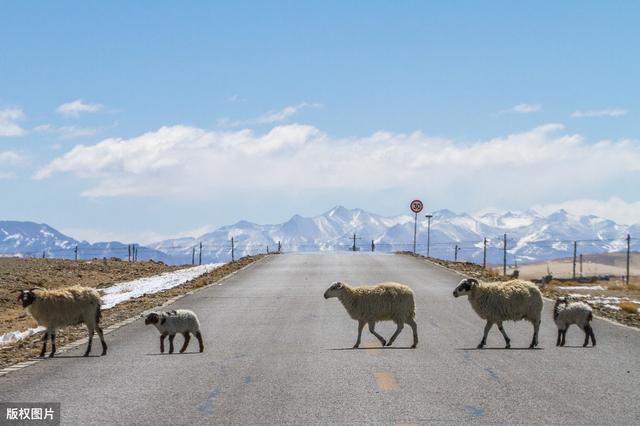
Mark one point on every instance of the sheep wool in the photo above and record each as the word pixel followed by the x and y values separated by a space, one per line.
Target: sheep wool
pixel 566 313
pixel 496 302
pixel 383 302
pixel 170 323
pixel 62 307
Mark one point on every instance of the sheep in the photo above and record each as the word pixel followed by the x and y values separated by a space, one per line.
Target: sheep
pixel 57 308
pixel 172 322
pixel 513 300
pixel 382 302
pixel 566 313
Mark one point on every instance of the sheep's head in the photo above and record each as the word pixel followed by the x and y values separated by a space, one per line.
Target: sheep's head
pixel 27 297
pixel 465 286
pixel 153 318
pixel 334 291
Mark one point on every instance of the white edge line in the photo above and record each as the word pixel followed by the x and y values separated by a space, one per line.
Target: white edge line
pixel 543 296
pixel 116 326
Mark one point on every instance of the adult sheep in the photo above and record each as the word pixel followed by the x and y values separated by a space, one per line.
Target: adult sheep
pixel 58 308
pixel 496 302
pixel 382 302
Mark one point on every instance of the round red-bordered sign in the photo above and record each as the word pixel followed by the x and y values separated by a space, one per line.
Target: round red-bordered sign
pixel 416 206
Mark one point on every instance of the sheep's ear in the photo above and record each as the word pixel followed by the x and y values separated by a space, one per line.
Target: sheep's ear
pixel 163 320
pixel 472 282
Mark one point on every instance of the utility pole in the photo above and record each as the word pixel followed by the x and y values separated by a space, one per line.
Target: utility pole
pixel 193 256
pixel 233 251
pixel 373 246
pixel 279 246
pixel 484 255
pixel 200 255
pixel 43 254
pixel 455 255
pixel 575 250
pixel 504 256
pixel 628 255
pixel 129 249
pixel 354 242
pixel 580 265
pixel 75 250
pixel 429 216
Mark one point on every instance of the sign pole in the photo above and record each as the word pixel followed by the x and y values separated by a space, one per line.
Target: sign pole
pixel 416 207
pixel 415 230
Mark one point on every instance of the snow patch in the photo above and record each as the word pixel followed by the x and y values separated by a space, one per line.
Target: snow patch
pixel 581 287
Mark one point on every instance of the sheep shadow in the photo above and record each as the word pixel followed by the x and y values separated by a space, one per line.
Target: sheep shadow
pixel 499 349
pixel 575 347
pixel 175 353
pixel 371 348
pixel 66 356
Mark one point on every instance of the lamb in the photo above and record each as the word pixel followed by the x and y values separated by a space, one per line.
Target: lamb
pixel 513 300
pixel 177 321
pixel 382 302
pixel 566 313
pixel 57 308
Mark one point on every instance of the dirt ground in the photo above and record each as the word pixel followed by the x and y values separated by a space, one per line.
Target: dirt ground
pixel 30 347
pixel 17 274
pixel 613 288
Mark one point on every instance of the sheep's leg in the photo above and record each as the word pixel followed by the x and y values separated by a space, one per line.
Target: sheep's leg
pixel 534 340
pixel 171 337
pixel 187 337
pixel 372 329
pixel 91 331
pixel 200 342
pixel 104 344
pixel 53 345
pixel 593 336
pixel 504 334
pixel 400 325
pixel 414 327
pixel 360 327
pixel 487 327
pixel 559 337
pixel 44 344
pixel 162 336
pixel 588 333
pixel 564 335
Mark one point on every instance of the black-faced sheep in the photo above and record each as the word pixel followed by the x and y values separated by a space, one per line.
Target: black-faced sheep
pixel 58 308
pixel 382 302
pixel 171 322
pixel 513 300
pixel 566 313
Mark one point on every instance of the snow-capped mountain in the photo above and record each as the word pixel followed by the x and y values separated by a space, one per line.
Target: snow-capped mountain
pixel 30 239
pixel 531 236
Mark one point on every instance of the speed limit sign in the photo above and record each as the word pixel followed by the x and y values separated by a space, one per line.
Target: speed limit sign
pixel 416 206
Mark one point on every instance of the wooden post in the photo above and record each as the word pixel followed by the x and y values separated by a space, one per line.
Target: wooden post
pixel 200 255
pixel 580 264
pixel 455 255
pixel 484 255
pixel 129 249
pixel 233 254
pixel 504 257
pixel 43 254
pixel 373 246
pixel 75 250
pixel 575 250
pixel 628 255
pixel 193 256
pixel 279 246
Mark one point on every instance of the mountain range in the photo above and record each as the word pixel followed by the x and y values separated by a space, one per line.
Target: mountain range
pixel 531 236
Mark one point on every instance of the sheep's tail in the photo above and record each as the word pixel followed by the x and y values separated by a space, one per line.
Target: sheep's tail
pixel 590 317
pixel 98 315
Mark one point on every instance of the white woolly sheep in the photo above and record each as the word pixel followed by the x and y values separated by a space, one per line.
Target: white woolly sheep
pixel 566 313
pixel 171 322
pixel 57 308
pixel 513 300
pixel 382 302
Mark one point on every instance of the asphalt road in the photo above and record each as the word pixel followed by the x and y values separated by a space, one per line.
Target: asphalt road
pixel 277 352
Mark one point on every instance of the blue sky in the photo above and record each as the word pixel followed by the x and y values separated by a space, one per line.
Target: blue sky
pixel 213 113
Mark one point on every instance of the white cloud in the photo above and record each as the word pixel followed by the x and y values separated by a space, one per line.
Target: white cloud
pixel 9 118
pixel 8 161
pixel 182 161
pixel 613 112
pixel 522 109
pixel 283 114
pixel 66 132
pixel 616 209
pixel 75 108
pixel 95 235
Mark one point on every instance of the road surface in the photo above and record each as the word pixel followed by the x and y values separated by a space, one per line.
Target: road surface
pixel 277 352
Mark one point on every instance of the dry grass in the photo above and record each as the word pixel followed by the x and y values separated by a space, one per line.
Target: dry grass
pixel 630 307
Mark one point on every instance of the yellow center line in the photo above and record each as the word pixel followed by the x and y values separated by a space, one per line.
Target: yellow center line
pixel 386 381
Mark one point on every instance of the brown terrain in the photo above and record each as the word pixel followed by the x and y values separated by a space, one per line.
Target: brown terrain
pixel 25 273
pixel 613 264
